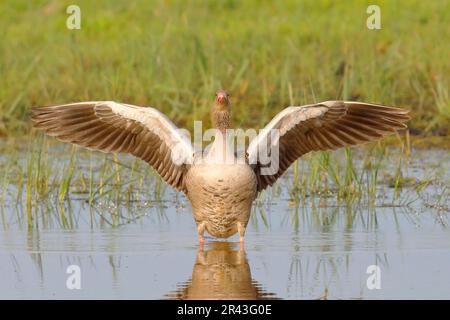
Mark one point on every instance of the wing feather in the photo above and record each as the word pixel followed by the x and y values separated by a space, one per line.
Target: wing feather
pixel 108 126
pixel 327 125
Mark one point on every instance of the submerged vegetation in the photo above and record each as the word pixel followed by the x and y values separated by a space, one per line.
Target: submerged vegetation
pixel 43 179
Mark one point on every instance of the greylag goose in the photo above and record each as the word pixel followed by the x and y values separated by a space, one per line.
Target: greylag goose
pixel 221 191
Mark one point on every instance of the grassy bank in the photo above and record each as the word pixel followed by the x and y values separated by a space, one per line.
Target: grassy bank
pixel 174 55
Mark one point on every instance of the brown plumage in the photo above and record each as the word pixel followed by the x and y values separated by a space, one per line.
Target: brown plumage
pixel 221 192
pixel 111 127
pixel 325 126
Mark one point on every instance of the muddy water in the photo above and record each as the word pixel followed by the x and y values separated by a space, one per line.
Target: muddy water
pixel 312 249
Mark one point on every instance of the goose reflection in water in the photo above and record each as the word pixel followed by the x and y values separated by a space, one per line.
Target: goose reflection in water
pixel 221 272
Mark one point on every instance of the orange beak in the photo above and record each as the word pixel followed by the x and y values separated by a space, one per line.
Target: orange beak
pixel 221 99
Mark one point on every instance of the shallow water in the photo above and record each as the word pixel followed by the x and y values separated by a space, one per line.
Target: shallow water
pixel 312 249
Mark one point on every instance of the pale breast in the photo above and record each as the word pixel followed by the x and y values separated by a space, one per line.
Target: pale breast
pixel 221 195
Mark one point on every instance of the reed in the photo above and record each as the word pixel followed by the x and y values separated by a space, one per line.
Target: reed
pixel 47 180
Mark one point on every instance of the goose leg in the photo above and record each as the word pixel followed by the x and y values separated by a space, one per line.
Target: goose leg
pixel 201 230
pixel 241 230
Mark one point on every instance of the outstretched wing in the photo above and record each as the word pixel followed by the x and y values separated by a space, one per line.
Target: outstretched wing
pixel 323 126
pixel 108 126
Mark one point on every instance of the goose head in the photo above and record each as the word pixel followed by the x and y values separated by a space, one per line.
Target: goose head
pixel 222 99
pixel 221 112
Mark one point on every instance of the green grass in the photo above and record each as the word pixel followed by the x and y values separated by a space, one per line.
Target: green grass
pixel 175 54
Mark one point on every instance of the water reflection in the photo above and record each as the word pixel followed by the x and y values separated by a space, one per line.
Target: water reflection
pixel 221 272
pixel 309 248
